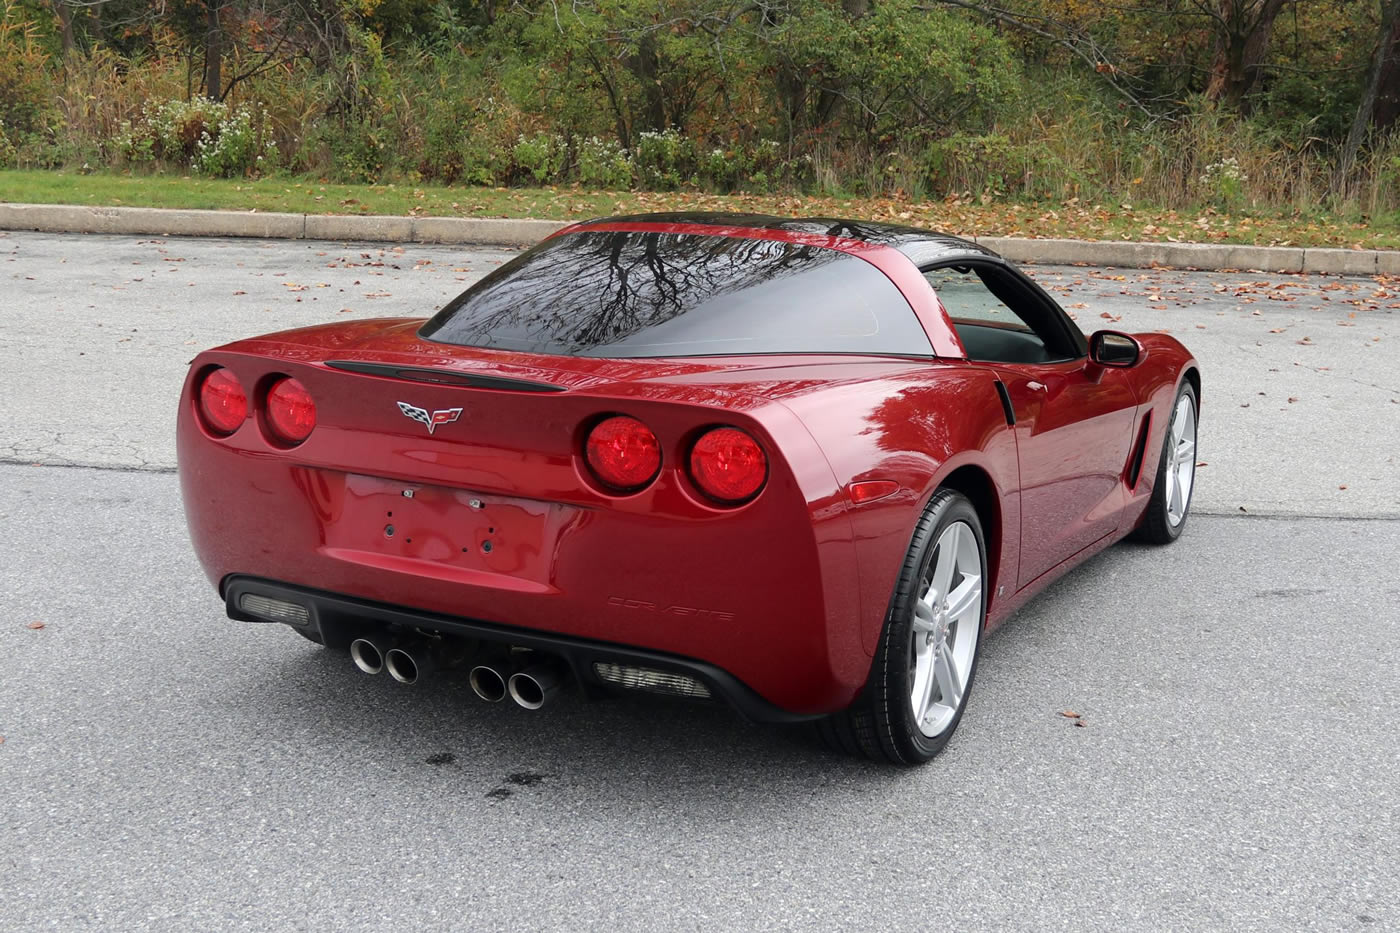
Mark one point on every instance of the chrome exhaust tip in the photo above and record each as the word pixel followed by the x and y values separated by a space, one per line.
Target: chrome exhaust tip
pixel 536 685
pixel 488 683
pixel 368 654
pixel 406 666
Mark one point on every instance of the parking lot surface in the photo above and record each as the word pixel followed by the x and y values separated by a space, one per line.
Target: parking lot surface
pixel 1231 767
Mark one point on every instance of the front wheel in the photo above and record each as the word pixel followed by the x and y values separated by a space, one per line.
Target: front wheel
pixel 1176 474
pixel 923 670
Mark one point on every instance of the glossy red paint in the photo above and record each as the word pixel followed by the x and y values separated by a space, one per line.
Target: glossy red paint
pixel 787 592
pixel 1074 432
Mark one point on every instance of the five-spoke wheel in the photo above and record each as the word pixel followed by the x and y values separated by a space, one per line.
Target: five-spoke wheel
pixel 944 626
pixel 927 657
pixel 1176 474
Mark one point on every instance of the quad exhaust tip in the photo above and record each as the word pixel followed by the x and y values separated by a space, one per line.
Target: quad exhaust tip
pixel 530 688
pixel 533 687
pixel 368 655
pixel 488 683
pixel 402 666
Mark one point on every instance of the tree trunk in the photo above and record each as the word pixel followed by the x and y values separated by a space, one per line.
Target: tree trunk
pixel 65 27
pixel 1241 42
pixel 1387 110
pixel 1390 17
pixel 646 66
pixel 830 101
pixel 213 51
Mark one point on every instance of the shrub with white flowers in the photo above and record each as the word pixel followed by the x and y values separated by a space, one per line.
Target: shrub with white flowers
pixel 206 136
pixel 1224 180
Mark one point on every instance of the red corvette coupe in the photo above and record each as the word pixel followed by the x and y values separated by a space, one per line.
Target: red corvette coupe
pixel 801 466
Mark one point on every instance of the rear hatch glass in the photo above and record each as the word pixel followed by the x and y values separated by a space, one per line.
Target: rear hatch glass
pixel 635 294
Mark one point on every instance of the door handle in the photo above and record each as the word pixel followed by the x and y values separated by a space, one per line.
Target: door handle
pixel 1037 386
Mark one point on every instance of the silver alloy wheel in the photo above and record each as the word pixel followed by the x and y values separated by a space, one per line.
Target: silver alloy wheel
pixel 946 625
pixel 1181 467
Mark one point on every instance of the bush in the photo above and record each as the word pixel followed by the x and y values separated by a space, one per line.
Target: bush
pixel 540 158
pixel 7 148
pixel 603 164
pixel 205 136
pixel 755 168
pixel 664 160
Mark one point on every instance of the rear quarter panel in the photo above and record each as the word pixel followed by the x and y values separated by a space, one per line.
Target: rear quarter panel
pixel 916 427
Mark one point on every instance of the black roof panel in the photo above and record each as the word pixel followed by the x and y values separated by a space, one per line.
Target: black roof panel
pixel 921 246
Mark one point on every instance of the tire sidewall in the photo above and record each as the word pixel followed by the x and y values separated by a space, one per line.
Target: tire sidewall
pixel 901 733
pixel 1159 495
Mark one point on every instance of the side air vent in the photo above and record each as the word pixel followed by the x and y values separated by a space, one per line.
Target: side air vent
pixel 1006 403
pixel 443 377
pixel 1139 450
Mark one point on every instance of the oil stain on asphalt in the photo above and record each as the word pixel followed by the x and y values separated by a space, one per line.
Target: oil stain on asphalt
pixel 516 779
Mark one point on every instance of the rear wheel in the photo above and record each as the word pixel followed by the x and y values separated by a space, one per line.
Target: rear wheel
pixel 927 657
pixel 1176 474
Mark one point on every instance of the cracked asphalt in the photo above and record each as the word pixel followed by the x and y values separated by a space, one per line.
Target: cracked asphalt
pixel 163 768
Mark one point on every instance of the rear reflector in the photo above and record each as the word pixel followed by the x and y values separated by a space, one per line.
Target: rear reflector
pixel 274 610
pixel 649 679
pixel 872 489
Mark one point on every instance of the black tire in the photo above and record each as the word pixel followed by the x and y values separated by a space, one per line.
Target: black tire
pixel 881 724
pixel 1156 526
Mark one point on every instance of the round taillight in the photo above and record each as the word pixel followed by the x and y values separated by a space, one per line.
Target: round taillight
pixel 222 401
pixel 623 453
pixel 291 412
pixel 728 465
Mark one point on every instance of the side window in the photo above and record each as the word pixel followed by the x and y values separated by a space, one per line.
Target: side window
pixel 966 299
pixel 997 319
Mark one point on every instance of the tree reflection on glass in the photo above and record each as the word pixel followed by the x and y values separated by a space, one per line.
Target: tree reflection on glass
pixel 633 294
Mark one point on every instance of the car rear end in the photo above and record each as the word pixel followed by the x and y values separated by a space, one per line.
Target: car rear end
pixel 497 523
pixel 567 460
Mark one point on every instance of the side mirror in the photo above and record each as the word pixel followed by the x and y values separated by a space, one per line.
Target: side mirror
pixel 1110 348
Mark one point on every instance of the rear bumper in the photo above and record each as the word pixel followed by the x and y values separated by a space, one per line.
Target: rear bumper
pixel 338 617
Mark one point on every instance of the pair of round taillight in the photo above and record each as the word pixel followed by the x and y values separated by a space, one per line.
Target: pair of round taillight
pixel 290 410
pixel 726 464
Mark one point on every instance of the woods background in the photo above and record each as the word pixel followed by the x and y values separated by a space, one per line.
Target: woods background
pixel 1230 104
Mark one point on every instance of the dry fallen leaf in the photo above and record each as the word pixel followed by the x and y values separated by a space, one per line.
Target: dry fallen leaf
pixel 35 625
pixel 1069 714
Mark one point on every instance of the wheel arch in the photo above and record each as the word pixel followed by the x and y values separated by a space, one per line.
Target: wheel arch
pixel 1193 376
pixel 980 489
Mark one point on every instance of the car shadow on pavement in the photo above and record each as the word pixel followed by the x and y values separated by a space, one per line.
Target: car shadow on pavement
pixel 638 748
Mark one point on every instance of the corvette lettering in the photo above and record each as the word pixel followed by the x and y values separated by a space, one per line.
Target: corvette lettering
pixel 682 611
pixel 430 419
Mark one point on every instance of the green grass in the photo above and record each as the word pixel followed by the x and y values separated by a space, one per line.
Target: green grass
pixel 1073 219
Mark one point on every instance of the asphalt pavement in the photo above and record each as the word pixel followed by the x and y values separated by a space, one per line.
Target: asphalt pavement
pixel 1300 406
pixel 1232 765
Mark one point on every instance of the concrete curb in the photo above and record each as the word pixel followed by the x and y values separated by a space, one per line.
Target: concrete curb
pixel 148 221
